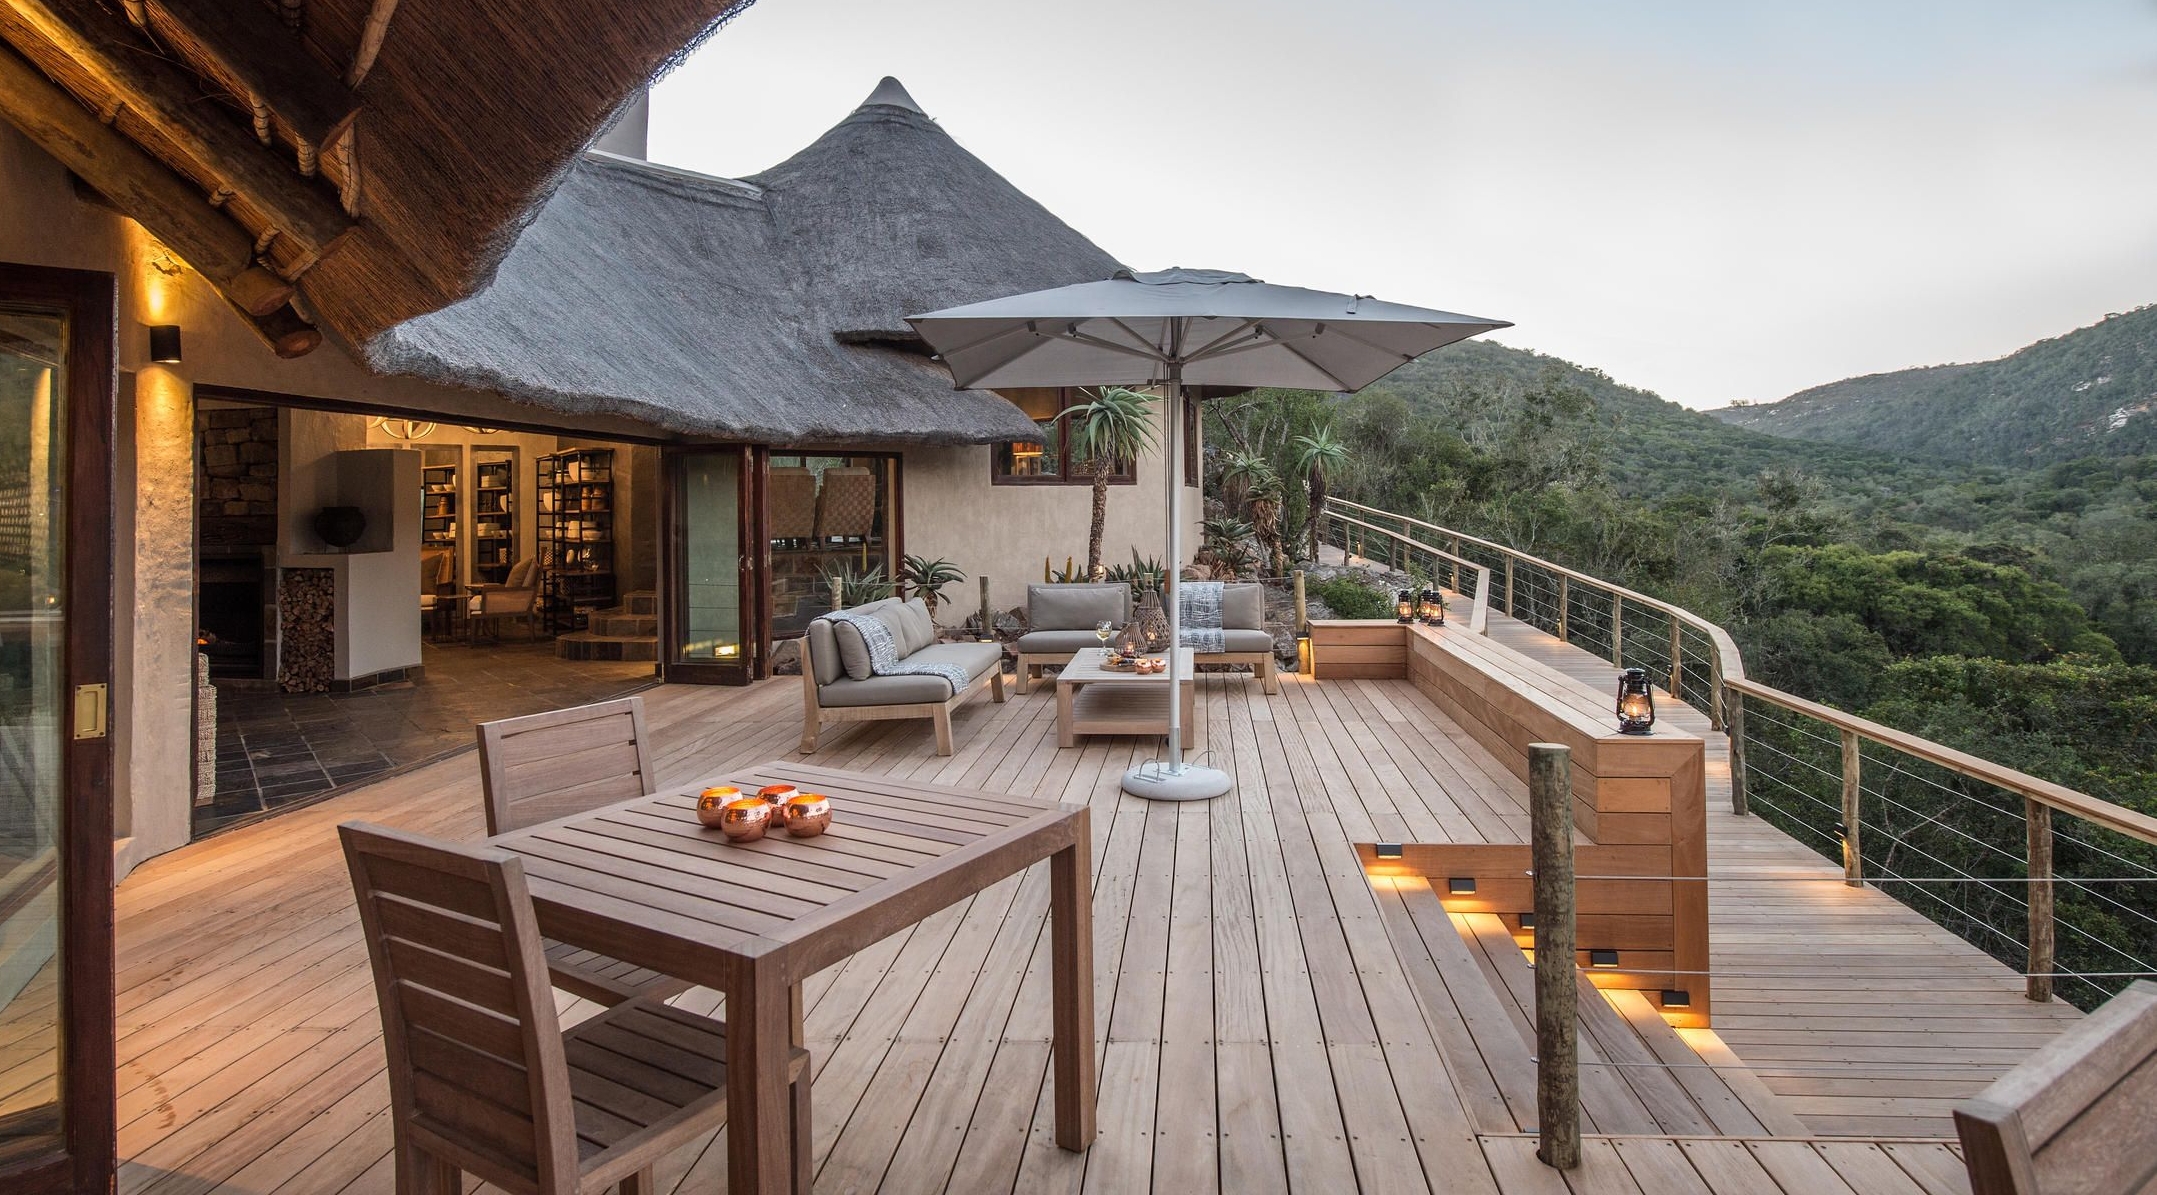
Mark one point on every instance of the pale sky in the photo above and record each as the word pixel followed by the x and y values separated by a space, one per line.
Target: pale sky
pixel 1712 199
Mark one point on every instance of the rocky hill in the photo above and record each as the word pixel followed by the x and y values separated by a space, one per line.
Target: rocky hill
pixel 2091 392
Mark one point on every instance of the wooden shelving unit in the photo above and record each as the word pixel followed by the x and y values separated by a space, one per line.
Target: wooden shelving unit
pixel 576 535
pixel 439 506
pixel 494 514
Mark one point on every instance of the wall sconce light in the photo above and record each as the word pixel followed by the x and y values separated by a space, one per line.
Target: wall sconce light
pixel 165 344
pixel 1304 662
pixel 1527 921
pixel 1602 958
pixel 1387 850
pixel 1676 999
pixel 1460 885
pixel 1404 605
pixel 1636 702
pixel 1432 608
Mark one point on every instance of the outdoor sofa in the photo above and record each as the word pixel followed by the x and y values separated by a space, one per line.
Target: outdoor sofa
pixel 839 684
pixel 1061 621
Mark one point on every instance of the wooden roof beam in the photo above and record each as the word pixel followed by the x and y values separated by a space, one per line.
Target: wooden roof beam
pixel 268 59
pixel 171 98
pixel 172 209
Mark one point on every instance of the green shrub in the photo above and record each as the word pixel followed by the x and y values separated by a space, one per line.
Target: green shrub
pixel 1350 598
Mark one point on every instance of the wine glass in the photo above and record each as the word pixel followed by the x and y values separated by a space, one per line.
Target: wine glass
pixel 1102 630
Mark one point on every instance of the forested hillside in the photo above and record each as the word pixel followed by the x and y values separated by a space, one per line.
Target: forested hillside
pixel 2009 612
pixel 2090 392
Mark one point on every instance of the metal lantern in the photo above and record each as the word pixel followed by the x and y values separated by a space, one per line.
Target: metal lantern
pixel 1636 702
pixel 1404 605
pixel 1433 608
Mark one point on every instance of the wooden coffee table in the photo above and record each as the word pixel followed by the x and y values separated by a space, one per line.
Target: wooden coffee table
pixel 1093 699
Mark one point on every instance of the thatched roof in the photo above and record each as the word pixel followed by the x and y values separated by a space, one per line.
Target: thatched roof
pixel 766 309
pixel 382 155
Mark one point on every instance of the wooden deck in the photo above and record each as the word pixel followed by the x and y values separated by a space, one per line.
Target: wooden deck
pixel 1269 1019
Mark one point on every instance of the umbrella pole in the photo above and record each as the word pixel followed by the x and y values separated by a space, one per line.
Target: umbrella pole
pixel 1170 779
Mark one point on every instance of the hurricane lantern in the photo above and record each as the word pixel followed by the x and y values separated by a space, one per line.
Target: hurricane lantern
pixel 1404 605
pixel 1636 702
pixel 1433 608
pixel 1131 640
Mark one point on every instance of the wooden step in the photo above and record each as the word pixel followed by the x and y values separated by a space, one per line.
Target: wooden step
pixel 642 602
pixel 615 624
pixel 591 645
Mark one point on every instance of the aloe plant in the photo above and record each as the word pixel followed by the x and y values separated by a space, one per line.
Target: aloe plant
pixel 927 578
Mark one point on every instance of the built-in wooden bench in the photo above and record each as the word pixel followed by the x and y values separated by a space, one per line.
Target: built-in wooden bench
pixel 1639 804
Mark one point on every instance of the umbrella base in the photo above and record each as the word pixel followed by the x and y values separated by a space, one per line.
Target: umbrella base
pixel 1155 782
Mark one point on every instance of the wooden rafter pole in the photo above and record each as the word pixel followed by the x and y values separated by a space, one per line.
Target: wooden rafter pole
pixel 1557 987
pixel 140 185
pixel 268 60
pixel 170 98
pixel 370 43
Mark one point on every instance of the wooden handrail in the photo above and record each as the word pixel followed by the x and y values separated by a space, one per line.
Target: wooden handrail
pixel 1726 649
pixel 1479 609
pixel 2056 796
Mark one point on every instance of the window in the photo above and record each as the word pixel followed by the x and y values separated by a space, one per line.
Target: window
pixel 1054 461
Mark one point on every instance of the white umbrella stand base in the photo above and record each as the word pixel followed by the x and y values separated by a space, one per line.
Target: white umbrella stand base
pixel 1156 780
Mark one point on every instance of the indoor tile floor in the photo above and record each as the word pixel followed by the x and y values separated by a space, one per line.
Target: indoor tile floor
pixel 275 750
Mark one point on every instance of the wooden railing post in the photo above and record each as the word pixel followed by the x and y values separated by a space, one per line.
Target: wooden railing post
pixel 1677 657
pixel 1456 564
pixel 1733 711
pixel 2037 984
pixel 988 623
pixel 1509 587
pixel 1565 602
pixel 1557 991
pixel 1303 613
pixel 1853 859
pixel 1617 630
pixel 1718 692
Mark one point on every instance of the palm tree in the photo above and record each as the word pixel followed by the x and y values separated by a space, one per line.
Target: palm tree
pixel 1315 454
pixel 1112 429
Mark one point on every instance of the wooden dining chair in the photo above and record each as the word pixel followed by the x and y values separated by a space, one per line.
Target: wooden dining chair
pixel 544 766
pixel 483 1080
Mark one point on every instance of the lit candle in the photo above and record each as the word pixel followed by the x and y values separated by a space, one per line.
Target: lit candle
pixel 712 801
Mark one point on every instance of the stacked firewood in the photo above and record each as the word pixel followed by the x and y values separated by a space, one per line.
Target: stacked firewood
pixel 307 635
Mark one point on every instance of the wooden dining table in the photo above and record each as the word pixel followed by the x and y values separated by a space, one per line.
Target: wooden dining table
pixel 644 882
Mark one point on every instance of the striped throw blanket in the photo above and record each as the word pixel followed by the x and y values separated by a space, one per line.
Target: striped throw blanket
pixel 1199 616
pixel 884 658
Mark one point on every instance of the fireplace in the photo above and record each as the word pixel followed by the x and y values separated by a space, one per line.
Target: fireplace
pixel 232 600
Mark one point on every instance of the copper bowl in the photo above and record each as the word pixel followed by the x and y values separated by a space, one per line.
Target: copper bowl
pixel 807 814
pixel 776 794
pixel 745 819
pixel 712 801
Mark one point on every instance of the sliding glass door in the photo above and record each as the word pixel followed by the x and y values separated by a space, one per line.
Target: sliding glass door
pixel 56 977
pixel 710 624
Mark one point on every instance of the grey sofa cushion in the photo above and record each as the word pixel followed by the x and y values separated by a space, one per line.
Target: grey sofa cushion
pixel 884 690
pixel 1046 642
pixel 824 652
pixel 976 658
pixel 853 650
pixel 1077 607
pixel 920 628
pixel 1246 640
pixel 1243 607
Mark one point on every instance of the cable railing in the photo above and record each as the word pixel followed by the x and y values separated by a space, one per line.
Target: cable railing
pixel 2058 884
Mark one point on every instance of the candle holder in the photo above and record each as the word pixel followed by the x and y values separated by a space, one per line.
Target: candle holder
pixel 777 794
pixel 1636 702
pixel 745 819
pixel 712 802
pixel 1404 606
pixel 807 814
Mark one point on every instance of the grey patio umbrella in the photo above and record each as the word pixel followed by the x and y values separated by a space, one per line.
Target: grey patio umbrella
pixel 1177 328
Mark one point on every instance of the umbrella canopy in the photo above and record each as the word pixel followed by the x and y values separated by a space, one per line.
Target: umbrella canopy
pixel 1178 328
pixel 1196 327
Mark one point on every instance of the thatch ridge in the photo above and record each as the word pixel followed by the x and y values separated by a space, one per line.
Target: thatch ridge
pixel 767 309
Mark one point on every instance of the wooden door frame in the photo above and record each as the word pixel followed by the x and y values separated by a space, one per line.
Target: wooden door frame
pixel 674 580
pixel 88 1159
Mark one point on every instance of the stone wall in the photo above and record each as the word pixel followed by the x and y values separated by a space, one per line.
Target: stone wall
pixel 236 476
